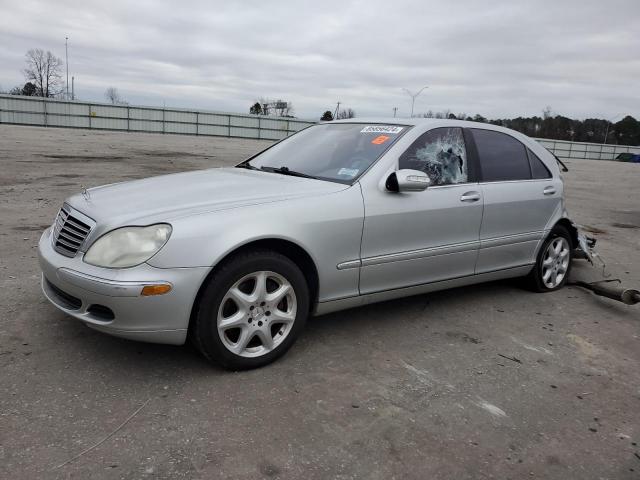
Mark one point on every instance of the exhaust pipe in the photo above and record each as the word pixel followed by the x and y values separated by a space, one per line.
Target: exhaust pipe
pixel 617 292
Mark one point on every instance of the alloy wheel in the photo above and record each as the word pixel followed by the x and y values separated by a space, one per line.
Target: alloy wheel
pixel 555 262
pixel 256 314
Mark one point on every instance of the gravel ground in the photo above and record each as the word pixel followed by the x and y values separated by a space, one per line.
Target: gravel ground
pixel 484 382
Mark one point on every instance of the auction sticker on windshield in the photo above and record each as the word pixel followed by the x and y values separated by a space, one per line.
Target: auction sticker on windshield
pixel 380 139
pixel 381 129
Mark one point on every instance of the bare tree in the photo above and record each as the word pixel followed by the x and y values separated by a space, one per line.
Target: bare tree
pixel 347 113
pixel 113 96
pixel 44 70
pixel 274 107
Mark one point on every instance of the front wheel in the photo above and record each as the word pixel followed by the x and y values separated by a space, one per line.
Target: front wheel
pixel 553 262
pixel 251 311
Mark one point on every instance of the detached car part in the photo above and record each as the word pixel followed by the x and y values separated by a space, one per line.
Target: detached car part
pixel 613 290
pixel 610 288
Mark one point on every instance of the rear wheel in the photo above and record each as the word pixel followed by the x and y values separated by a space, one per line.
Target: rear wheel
pixel 251 311
pixel 553 263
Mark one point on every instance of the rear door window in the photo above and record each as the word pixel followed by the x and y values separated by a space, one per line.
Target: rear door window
pixel 539 170
pixel 502 157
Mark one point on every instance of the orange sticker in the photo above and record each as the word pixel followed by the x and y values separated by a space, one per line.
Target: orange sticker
pixel 380 140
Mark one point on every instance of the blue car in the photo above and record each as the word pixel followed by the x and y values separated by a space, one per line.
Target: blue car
pixel 629 157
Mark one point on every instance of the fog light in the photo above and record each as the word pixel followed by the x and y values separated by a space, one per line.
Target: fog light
pixel 160 289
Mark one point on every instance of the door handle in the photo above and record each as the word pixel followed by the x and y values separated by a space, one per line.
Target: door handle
pixel 470 197
pixel 550 190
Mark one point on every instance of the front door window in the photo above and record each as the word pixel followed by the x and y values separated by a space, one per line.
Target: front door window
pixel 441 154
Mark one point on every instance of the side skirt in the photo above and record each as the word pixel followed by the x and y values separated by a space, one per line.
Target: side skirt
pixel 323 308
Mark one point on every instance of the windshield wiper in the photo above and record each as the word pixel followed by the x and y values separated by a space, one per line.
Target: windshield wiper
pixel 287 171
pixel 248 166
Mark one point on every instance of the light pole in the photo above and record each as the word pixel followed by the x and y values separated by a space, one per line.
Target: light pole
pixel 606 132
pixel 414 96
pixel 66 62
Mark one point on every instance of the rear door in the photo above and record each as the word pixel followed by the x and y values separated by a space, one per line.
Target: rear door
pixel 520 198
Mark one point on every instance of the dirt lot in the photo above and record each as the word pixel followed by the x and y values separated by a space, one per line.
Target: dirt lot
pixel 415 388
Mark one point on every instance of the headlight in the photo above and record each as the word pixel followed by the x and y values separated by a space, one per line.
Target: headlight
pixel 128 246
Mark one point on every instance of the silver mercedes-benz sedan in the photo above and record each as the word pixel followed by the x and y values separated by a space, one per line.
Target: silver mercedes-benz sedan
pixel 338 215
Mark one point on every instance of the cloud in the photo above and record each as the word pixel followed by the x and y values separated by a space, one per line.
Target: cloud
pixel 496 58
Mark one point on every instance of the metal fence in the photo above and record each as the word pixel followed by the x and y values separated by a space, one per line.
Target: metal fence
pixel 585 151
pixel 49 112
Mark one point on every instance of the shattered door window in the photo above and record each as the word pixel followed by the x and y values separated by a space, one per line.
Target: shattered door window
pixel 441 154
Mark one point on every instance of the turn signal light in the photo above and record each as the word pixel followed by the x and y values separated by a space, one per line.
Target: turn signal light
pixel 160 289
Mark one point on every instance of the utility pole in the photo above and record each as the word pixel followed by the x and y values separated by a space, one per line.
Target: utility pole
pixel 73 89
pixel 413 96
pixel 395 110
pixel 335 115
pixel 66 62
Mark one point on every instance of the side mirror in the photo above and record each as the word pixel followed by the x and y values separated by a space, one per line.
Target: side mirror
pixel 407 180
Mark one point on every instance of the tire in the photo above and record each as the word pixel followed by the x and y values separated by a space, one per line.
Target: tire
pixel 553 263
pixel 251 311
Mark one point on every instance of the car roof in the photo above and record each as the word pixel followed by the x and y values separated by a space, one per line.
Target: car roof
pixel 421 122
pixel 388 120
pixel 425 123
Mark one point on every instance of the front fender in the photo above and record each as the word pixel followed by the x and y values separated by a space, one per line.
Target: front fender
pixel 328 227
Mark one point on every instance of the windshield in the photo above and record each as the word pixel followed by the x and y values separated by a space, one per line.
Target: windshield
pixel 338 152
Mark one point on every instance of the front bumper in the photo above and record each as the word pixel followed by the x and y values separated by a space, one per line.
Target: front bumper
pixel 109 300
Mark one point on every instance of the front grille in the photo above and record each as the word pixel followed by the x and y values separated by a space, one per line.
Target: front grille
pixel 70 231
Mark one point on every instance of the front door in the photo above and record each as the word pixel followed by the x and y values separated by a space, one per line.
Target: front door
pixel 423 237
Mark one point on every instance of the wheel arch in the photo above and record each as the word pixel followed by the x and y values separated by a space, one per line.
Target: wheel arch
pixel 287 248
pixel 571 228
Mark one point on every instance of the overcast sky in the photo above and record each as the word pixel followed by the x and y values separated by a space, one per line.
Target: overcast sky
pixel 497 58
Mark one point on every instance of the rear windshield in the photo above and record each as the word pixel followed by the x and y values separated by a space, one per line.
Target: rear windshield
pixel 338 152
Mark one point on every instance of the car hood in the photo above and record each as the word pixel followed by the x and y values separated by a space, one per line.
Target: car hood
pixel 167 197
